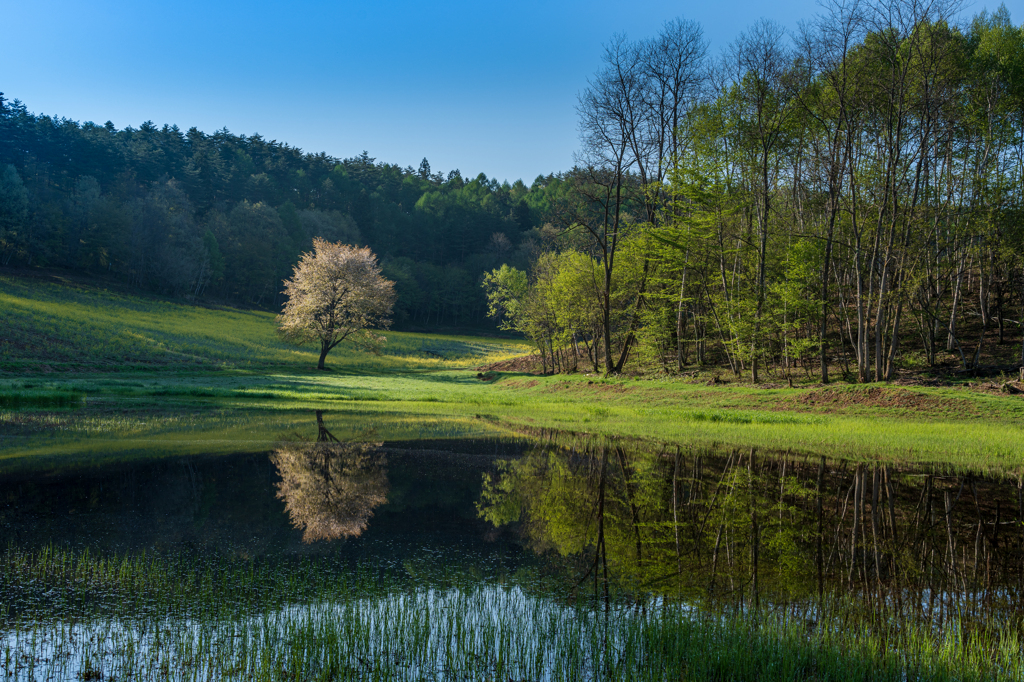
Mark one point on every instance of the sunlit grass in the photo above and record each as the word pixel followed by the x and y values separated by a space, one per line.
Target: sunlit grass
pixel 47 324
pixel 246 419
pixel 65 346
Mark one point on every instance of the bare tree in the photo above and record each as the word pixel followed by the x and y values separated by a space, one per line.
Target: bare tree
pixel 609 111
pixel 629 115
pixel 678 71
pixel 829 86
pixel 675 67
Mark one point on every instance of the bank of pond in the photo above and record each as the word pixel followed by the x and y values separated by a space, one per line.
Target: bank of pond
pixel 508 556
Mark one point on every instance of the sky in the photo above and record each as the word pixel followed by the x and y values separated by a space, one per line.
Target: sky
pixel 479 86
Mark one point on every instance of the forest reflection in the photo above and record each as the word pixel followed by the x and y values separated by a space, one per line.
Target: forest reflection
pixel 740 528
pixel 330 488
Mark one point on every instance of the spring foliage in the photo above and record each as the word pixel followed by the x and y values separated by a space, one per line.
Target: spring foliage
pixel 335 293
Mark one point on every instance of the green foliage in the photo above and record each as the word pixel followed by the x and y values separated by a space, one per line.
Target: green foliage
pixel 507 290
pixel 13 213
pixel 557 307
pixel 830 201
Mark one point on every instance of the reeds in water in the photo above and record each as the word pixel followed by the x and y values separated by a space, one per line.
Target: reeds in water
pixel 82 616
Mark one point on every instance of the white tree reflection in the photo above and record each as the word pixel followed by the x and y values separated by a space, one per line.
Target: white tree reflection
pixel 330 488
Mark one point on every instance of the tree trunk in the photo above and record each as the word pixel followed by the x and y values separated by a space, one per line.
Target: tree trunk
pixel 681 324
pixel 324 348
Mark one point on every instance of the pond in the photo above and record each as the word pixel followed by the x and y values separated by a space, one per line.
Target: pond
pixel 320 546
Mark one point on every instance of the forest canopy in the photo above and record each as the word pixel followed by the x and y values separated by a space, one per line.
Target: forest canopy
pixel 846 198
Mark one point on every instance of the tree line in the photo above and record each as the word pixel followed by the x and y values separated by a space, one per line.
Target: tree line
pixel 226 217
pixel 845 198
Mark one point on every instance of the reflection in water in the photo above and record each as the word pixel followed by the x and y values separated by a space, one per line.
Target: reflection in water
pixel 824 569
pixel 329 488
pixel 738 528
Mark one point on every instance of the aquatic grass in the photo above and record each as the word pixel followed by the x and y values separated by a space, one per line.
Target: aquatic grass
pixel 287 621
pixel 86 615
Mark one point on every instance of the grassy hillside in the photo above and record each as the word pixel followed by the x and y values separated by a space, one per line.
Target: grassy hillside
pixel 53 325
pixel 83 369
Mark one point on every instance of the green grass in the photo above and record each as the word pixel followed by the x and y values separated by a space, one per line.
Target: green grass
pixel 75 614
pixel 147 359
pixel 983 444
pixel 49 326
pixel 14 399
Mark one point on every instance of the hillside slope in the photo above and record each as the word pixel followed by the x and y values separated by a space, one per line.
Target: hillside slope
pixel 54 325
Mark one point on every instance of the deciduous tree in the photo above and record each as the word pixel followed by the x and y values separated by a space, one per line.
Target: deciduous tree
pixel 335 293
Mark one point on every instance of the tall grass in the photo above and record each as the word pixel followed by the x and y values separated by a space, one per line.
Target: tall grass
pixel 126 618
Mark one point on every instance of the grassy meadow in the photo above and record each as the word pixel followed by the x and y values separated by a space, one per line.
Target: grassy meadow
pixel 84 364
pixel 52 326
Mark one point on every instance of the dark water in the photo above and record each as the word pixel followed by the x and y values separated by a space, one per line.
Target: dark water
pixel 560 517
pixel 644 518
pixel 421 505
pixel 747 528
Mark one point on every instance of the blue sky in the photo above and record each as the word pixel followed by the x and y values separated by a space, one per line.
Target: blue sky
pixel 480 86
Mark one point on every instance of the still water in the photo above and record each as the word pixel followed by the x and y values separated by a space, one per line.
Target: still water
pixel 451 551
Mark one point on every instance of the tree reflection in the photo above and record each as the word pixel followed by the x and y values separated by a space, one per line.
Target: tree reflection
pixel 740 527
pixel 330 488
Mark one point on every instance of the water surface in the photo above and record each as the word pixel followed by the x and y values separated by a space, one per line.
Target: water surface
pixel 321 518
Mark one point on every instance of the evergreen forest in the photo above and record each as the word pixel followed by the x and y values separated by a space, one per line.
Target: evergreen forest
pixel 225 217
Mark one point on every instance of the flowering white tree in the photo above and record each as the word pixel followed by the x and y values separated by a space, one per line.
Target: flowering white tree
pixel 336 292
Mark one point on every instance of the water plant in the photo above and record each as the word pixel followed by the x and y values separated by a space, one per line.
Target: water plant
pixel 183 617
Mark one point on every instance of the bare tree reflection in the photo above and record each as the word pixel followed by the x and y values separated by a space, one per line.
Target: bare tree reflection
pixel 330 488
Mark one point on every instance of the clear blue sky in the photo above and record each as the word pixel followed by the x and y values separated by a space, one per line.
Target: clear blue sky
pixel 480 86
